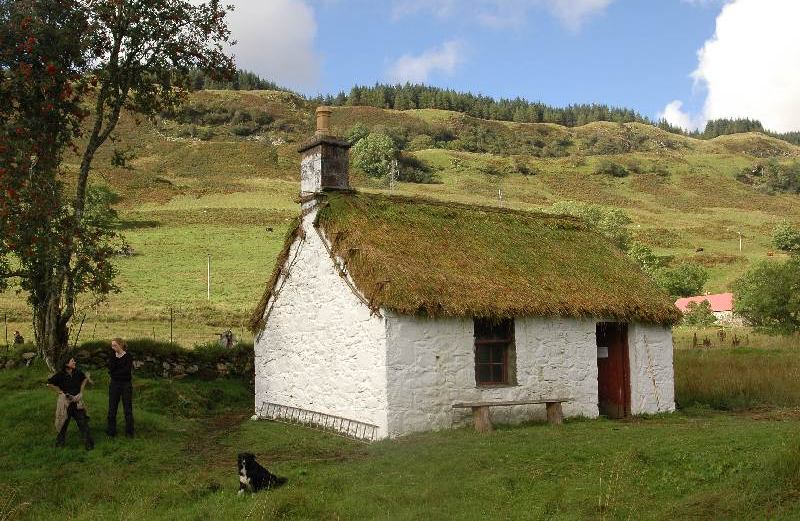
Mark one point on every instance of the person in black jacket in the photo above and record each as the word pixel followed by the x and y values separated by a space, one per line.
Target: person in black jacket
pixel 120 366
pixel 69 383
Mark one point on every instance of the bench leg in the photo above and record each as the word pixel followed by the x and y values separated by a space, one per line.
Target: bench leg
pixel 481 417
pixel 555 416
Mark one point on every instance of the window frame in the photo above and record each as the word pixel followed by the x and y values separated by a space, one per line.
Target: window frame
pixel 487 342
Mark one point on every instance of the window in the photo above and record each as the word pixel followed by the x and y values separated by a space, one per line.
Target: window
pixel 494 352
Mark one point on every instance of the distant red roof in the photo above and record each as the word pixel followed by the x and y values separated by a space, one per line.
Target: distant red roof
pixel 719 302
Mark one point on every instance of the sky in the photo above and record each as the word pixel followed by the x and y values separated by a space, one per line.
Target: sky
pixel 687 61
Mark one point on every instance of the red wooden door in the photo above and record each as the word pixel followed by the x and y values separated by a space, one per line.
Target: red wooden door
pixel 613 370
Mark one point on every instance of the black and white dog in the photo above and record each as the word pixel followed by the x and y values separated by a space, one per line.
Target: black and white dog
pixel 253 476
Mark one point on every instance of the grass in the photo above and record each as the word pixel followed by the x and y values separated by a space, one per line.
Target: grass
pixel 692 465
pixel 182 199
pixel 489 262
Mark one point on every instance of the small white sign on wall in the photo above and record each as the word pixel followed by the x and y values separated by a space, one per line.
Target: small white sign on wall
pixel 602 351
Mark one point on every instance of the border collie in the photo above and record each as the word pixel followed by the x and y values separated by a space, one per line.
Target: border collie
pixel 253 476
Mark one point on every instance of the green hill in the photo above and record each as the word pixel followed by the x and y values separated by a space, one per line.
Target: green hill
pixel 220 177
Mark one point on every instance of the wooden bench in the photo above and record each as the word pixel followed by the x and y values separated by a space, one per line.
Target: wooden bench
pixel 480 411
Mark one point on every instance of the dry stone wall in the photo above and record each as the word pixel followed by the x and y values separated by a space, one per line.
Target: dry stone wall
pixel 175 363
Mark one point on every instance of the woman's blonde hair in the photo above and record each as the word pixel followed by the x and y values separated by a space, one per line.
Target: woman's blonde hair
pixel 121 342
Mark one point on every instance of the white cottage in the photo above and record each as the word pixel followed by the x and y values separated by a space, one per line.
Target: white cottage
pixel 383 312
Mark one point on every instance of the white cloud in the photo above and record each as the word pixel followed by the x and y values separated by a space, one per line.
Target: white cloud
pixel 500 14
pixel 418 69
pixel 574 12
pixel 674 114
pixel 276 40
pixel 751 66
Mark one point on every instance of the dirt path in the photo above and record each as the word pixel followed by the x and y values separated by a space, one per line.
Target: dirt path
pixel 205 444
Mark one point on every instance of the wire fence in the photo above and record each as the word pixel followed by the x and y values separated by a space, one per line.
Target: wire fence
pixel 173 326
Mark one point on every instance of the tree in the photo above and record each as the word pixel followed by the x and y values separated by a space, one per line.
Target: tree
pixel 786 237
pixel 768 296
pixel 374 154
pixel 57 58
pixel 611 222
pixel 644 257
pixel 699 315
pixel 357 132
pixel 684 280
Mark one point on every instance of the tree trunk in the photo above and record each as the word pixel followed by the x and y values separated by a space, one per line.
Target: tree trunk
pixel 50 330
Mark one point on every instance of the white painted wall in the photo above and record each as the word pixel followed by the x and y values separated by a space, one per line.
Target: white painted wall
pixel 431 365
pixel 321 349
pixel 652 376
pixel 311 172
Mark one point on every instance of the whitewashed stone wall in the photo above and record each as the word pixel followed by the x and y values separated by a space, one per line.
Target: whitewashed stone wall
pixel 652 377
pixel 431 365
pixel 321 349
pixel 311 172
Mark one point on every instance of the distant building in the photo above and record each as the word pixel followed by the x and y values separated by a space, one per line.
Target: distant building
pixel 383 312
pixel 721 305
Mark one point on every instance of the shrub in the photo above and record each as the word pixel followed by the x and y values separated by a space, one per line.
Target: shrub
pixel 204 133
pixel 374 154
pixel 215 118
pixel 772 177
pixel 659 170
pixel 263 119
pixel 421 142
pixel 699 315
pixel 240 116
pixel 244 129
pixel 786 237
pixel 357 132
pixel 611 222
pixel 523 167
pixel 768 296
pixel 684 280
pixel 606 167
pixel 414 170
pixel 644 257
pixel 495 167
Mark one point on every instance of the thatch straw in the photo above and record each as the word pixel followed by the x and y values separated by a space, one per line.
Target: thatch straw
pixel 420 257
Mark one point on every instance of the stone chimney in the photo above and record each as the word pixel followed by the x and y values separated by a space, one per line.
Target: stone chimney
pixel 323 161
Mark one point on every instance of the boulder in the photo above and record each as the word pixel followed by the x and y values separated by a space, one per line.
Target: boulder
pixel 192 369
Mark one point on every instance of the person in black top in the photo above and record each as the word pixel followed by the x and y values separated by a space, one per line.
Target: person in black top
pixel 120 366
pixel 70 382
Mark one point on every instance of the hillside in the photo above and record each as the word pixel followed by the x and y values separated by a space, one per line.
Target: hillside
pixel 220 177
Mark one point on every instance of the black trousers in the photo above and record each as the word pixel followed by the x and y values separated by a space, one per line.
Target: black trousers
pixel 83 425
pixel 117 390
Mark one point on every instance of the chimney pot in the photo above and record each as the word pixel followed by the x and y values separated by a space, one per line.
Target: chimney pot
pixel 323 161
pixel 323 120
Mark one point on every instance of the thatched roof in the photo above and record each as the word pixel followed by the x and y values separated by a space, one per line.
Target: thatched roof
pixel 420 257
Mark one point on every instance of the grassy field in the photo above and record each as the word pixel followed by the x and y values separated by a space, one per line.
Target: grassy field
pixel 229 196
pixel 695 464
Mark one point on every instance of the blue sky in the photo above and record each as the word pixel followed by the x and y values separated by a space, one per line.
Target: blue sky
pixel 659 57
